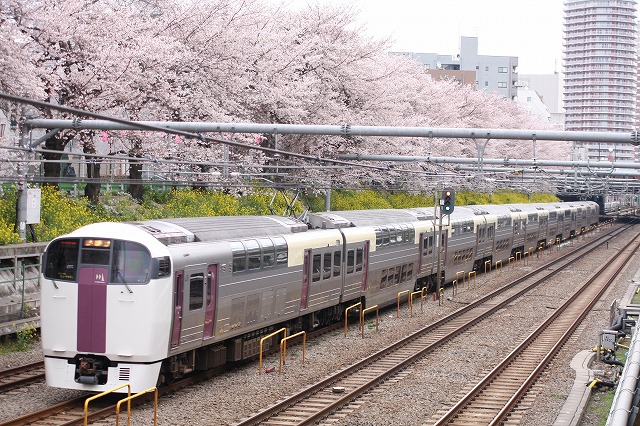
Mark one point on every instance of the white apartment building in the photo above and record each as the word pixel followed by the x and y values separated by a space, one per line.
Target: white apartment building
pixel 492 73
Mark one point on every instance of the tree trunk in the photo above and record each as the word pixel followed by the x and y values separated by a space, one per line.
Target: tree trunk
pixel 91 189
pixel 136 189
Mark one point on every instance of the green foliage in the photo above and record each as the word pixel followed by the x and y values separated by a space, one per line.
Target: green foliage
pixel 362 200
pixel 60 214
pixel 25 337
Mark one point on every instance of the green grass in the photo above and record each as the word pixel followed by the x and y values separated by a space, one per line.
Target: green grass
pixel 599 405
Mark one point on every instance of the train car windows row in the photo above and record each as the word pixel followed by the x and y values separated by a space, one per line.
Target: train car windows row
pixel 330 264
pixel 462 256
pixel 504 221
pixel 502 245
pixel 394 234
pixel 256 254
pixel 396 275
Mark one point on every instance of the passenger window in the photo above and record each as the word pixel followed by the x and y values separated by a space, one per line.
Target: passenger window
pixel 337 263
pixel 317 259
pixel 239 256
pixel 268 252
pixel 403 277
pixel 378 237
pixel 350 261
pixel 359 259
pixel 396 278
pixel 385 236
pixel 253 254
pixel 326 268
pixel 394 236
pixel 409 272
pixel 196 286
pixel 383 279
pixel 282 256
pixel 425 246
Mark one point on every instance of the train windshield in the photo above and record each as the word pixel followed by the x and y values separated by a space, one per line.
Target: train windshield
pixel 127 262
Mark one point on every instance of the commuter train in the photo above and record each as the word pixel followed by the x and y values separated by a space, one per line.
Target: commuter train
pixel 147 302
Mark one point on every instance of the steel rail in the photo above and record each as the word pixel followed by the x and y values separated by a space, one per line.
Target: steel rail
pixel 331 402
pixel 456 414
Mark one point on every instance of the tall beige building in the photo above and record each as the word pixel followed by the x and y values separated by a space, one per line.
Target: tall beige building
pixel 601 72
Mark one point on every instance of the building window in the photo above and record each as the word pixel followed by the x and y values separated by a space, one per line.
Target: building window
pixel 477 67
pixel 502 84
pixel 486 68
pixel 528 98
pixel 2 126
pixel 503 70
pixel 486 83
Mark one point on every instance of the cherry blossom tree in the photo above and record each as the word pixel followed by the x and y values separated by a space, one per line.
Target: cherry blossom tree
pixel 242 61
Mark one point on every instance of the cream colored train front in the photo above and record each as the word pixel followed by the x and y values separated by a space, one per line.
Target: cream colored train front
pixel 106 308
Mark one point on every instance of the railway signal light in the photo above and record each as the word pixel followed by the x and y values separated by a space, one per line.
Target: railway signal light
pixel 446 204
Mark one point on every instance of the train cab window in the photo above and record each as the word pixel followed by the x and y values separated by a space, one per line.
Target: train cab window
pixel 350 261
pixel 131 263
pixel 268 252
pixel 196 287
pixel 359 259
pixel 282 256
pixel 317 263
pixel 62 260
pixel 239 256
pixel 253 254
pixel 337 263
pixel 326 266
pixel 95 256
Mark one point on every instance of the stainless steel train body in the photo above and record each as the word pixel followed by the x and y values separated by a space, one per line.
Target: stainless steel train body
pixel 148 302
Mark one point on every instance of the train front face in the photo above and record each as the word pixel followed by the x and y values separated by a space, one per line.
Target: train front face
pixel 106 295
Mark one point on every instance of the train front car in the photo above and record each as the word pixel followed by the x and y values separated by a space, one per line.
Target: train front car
pixel 106 292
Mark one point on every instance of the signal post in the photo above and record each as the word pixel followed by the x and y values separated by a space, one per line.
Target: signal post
pixel 446 201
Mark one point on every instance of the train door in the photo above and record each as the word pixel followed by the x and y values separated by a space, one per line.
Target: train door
pixel 364 261
pixel 177 308
pixel 304 294
pixel 193 312
pixel 211 295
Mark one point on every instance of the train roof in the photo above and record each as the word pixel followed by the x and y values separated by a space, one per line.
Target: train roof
pixel 349 218
pixel 217 228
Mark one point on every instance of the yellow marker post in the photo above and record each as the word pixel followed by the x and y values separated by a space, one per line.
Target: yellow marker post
pixel 128 400
pixel 282 330
pixel 283 347
pixel 399 296
pixel 362 313
pixel 346 317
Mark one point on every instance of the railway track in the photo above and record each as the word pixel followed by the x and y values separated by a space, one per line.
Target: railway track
pixel 496 396
pixel 21 376
pixel 328 396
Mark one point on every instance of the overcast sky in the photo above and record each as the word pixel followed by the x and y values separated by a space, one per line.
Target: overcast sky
pixel 528 29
